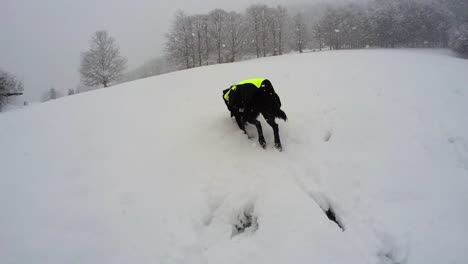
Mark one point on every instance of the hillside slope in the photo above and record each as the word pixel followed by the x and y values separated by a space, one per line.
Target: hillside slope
pixel 155 171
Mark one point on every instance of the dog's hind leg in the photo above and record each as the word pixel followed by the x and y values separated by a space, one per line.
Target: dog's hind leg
pixel 261 139
pixel 271 121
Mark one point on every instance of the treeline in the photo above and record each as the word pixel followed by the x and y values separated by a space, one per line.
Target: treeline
pixel 458 34
pixel 221 36
pixel 382 23
pixel 9 87
pixel 392 24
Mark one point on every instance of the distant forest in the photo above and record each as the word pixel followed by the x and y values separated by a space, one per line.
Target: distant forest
pixel 260 30
pixel 221 36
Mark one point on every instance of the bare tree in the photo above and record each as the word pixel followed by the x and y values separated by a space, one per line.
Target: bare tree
pixel 198 34
pixel 9 86
pixel 282 19
pixel 299 32
pixel 264 27
pixel 272 22
pixel 178 41
pixel 201 38
pixel 260 18
pixel 318 32
pixel 236 34
pixel 254 18
pixel 206 37
pixel 277 21
pixel 218 29
pixel 102 63
pixel 192 40
pixel 376 23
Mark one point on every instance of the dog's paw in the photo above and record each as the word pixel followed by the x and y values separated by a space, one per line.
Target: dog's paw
pixel 279 147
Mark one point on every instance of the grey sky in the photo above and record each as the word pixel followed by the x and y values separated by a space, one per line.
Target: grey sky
pixel 41 40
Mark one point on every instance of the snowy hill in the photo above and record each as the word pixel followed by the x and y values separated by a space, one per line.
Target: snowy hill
pixel 155 171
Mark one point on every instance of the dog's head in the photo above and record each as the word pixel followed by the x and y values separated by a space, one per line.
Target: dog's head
pixel 269 95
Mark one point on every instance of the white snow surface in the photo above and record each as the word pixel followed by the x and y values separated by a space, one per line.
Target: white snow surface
pixel 155 171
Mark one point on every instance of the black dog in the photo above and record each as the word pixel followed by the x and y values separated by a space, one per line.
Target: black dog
pixel 246 102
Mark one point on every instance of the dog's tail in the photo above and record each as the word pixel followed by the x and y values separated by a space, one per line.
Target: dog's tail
pixel 281 115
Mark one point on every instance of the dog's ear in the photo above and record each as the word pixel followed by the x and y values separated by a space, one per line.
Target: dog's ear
pixel 267 85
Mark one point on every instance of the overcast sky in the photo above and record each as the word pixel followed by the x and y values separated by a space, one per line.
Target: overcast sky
pixel 41 40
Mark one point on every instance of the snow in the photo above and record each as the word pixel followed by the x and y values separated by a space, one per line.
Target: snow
pixel 155 171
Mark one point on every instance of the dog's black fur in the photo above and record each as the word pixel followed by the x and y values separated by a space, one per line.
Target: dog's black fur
pixel 247 102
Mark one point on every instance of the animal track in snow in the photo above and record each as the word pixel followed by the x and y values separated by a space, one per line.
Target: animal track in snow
pixel 246 221
pixel 235 211
pixel 461 149
pixel 332 216
pixel 324 203
pixel 390 252
pixel 327 136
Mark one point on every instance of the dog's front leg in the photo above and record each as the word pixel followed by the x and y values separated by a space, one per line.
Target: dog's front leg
pixel 240 122
pixel 261 139
pixel 272 123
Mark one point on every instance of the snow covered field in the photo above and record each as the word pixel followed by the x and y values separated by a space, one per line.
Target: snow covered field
pixel 155 171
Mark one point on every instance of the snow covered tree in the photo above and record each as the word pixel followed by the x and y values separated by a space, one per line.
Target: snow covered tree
pixel 272 23
pixel 50 94
pixel 102 64
pixel 236 35
pixel 192 41
pixel 458 33
pixel 53 94
pixel 318 32
pixel 71 91
pixel 264 26
pixel 255 18
pixel 206 37
pixel 299 32
pixel 459 39
pixel 375 23
pixel 263 32
pixel 217 30
pixel 201 42
pixel 261 29
pixel 382 23
pixel 280 28
pixel 178 41
pixel 9 86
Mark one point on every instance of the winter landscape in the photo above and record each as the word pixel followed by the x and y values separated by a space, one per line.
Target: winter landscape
pixel 145 165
